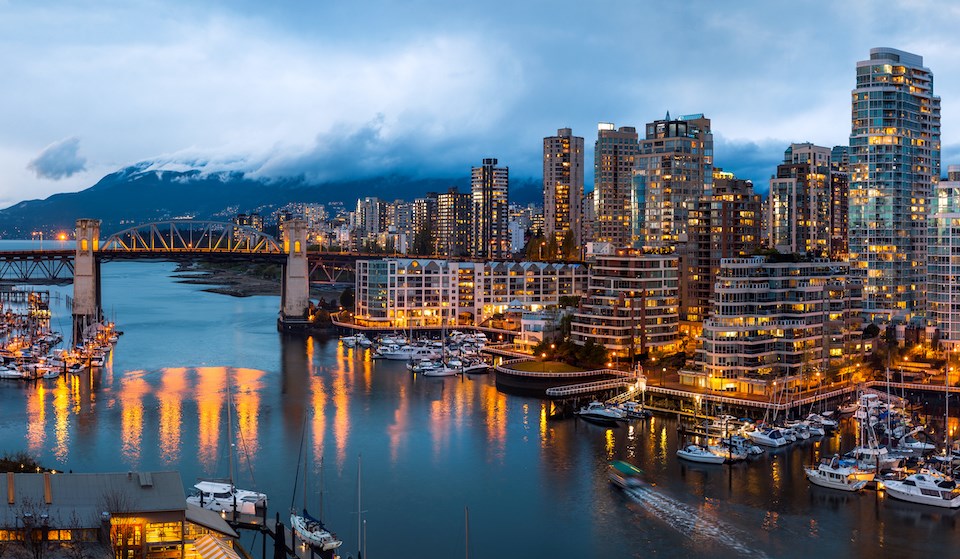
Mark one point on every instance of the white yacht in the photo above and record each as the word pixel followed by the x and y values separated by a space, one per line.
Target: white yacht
pixel 224 497
pixel 827 422
pixel 728 452
pixel 767 437
pixel 598 411
pixel 408 352
pixel 697 453
pixel 925 488
pixel 440 371
pixel 837 474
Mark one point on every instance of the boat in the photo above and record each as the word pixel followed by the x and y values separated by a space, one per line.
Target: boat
pixel 740 444
pixel 349 341
pixel 309 529
pixel 925 488
pixel 836 474
pixel 440 371
pixel 625 475
pixel 407 352
pixel 697 453
pixel 634 410
pixel 476 366
pixel 600 412
pixel 12 374
pixel 767 437
pixel 826 422
pixel 729 453
pixel 222 495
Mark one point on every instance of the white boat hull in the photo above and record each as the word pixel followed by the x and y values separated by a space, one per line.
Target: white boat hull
pixel 817 479
pixel 314 535
pixel 892 489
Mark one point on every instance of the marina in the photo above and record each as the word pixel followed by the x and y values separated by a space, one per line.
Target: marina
pixel 430 447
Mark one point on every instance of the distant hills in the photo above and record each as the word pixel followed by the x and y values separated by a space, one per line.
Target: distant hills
pixel 139 194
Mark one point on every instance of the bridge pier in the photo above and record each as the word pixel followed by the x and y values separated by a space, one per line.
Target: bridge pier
pixel 295 289
pixel 86 278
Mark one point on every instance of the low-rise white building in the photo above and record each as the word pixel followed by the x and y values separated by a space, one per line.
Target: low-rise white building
pixel 405 292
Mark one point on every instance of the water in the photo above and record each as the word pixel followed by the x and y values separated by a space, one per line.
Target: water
pixel 430 447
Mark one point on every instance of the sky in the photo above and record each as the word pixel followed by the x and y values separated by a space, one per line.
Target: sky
pixel 332 89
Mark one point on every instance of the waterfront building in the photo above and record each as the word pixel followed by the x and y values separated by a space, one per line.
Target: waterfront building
pixel 722 223
pixel 894 165
pixel 563 156
pixel 786 319
pixel 141 515
pixel 943 270
pixel 405 292
pixel 454 223
pixel 631 305
pixel 674 168
pixel 614 158
pixel 489 189
pixel 800 201
pixel 839 202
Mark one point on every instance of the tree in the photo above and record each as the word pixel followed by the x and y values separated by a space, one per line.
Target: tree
pixel 568 248
pixel 550 253
pixel 348 299
pixel 871 331
pixel 535 247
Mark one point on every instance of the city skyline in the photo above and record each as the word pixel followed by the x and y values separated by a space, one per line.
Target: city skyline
pixel 277 91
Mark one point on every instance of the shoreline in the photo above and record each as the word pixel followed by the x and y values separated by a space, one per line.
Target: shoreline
pixel 237 283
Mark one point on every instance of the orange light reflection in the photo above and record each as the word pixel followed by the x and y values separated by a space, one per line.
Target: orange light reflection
pixel 132 390
pixel 172 389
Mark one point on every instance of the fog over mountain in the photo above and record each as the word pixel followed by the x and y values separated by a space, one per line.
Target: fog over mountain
pixel 147 192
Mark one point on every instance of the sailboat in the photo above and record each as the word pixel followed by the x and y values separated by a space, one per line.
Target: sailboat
pixel 222 495
pixel 311 530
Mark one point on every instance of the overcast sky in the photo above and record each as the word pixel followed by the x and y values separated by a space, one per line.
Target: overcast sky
pixel 334 88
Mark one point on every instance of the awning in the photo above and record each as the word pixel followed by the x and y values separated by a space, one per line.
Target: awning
pixel 212 547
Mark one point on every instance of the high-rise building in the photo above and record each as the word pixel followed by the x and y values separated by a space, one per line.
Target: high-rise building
pixel 723 223
pixel 614 157
pixel 489 186
pixel 425 224
pixel 943 271
pixel 800 201
pixel 454 223
pixel 562 185
pixel 894 164
pixel 371 215
pixel 587 219
pixel 839 202
pixel 674 168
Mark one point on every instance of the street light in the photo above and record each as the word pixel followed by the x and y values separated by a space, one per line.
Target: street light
pixel 543 363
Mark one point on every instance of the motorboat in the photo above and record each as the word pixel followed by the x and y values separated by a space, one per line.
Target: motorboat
pixel 767 437
pixel 312 531
pixel 600 412
pixel 925 488
pixel 224 497
pixel 634 410
pixel 837 474
pixel 476 366
pixel 440 371
pixel 349 341
pixel 625 475
pixel 909 442
pixel 408 352
pixel 728 453
pixel 826 422
pixel 697 453
pixel 12 374
pixel 738 444
pixel 422 365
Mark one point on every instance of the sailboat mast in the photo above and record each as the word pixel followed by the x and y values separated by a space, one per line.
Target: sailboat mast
pixel 359 511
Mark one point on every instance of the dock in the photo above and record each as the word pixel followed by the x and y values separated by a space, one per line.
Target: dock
pixel 291 546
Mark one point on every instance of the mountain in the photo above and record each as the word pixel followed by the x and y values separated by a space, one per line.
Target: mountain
pixel 139 194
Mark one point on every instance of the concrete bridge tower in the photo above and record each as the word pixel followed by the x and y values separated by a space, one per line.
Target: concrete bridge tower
pixel 295 292
pixel 86 277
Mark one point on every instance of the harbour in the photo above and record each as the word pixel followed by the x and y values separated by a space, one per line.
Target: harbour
pixel 430 447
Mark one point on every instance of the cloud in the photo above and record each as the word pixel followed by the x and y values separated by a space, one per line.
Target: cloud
pixel 59 160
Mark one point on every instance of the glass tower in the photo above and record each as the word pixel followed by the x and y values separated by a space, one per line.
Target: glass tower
pixel 894 165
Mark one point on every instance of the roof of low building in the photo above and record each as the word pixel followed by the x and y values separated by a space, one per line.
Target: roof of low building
pixel 80 499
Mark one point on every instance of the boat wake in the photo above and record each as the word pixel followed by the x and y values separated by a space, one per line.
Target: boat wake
pixel 687 520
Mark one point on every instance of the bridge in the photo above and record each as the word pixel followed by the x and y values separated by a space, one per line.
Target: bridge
pixel 181 240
